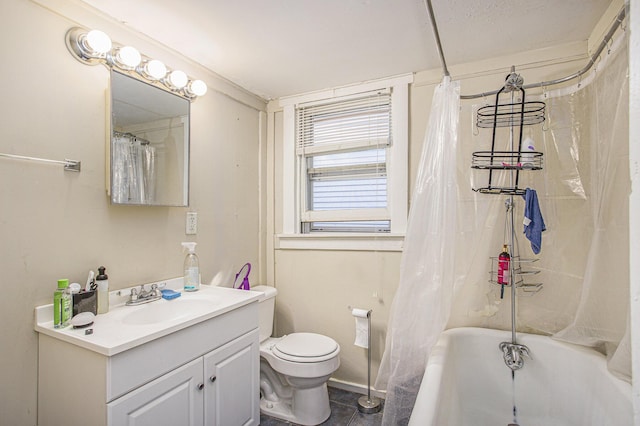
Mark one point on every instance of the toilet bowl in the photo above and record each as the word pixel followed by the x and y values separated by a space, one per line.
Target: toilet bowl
pixel 294 369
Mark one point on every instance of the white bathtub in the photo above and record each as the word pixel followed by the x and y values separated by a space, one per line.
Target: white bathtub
pixel 467 383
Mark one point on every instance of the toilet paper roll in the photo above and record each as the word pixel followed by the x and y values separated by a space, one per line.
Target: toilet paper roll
pixel 362 327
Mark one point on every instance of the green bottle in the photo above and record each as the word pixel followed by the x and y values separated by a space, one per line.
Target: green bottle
pixel 62 304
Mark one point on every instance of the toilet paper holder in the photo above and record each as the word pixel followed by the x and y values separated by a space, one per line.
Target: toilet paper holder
pixel 366 403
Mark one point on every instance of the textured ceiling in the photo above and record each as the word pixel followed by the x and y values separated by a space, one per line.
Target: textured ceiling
pixel 275 48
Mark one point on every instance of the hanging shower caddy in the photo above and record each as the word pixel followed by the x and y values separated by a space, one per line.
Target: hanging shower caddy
pixel 514 114
pixel 519 270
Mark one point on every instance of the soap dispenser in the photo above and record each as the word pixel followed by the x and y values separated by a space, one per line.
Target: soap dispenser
pixel 191 268
pixel 102 284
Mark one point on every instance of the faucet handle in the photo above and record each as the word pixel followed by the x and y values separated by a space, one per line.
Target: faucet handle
pixel 134 294
pixel 525 351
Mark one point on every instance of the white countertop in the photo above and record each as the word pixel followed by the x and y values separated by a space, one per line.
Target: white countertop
pixel 125 327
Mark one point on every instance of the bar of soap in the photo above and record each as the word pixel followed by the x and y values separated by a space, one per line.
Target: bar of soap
pixel 83 319
pixel 169 294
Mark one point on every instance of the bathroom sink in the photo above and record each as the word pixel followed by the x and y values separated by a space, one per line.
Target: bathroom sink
pixel 125 327
pixel 165 311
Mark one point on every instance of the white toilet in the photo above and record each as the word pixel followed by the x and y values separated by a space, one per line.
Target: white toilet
pixel 294 369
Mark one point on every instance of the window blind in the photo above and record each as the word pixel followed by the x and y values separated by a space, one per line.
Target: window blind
pixel 343 146
pixel 362 121
pixel 344 181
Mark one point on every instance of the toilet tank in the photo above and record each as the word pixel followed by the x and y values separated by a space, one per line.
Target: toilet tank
pixel 266 308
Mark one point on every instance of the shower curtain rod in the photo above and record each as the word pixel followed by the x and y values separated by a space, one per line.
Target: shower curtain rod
pixel 605 41
pixel 131 136
pixel 436 34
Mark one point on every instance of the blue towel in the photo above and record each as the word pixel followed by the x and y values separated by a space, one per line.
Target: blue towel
pixel 533 221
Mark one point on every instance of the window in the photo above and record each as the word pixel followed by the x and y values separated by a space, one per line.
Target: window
pixel 341 147
pixel 345 159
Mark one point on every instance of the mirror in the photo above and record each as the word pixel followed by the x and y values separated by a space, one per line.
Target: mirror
pixel 149 148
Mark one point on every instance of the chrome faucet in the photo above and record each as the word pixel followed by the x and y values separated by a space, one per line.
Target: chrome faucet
pixel 514 354
pixel 138 297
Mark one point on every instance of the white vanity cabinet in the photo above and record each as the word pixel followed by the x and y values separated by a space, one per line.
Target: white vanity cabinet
pixel 232 383
pixel 212 390
pixel 206 373
pixel 177 398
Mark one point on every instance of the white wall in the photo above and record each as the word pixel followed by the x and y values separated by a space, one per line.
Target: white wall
pixel 56 224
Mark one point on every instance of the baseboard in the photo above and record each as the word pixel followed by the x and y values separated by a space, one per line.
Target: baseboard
pixel 355 387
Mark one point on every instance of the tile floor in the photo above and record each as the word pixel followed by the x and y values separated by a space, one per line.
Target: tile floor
pixel 344 412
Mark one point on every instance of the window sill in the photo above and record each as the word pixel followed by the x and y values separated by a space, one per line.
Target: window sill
pixel 340 241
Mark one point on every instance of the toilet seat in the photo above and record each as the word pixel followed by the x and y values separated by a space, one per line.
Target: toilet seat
pixel 305 347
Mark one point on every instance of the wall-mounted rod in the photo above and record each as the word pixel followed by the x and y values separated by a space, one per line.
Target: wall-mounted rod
pixel 436 34
pixel 134 138
pixel 69 165
pixel 605 41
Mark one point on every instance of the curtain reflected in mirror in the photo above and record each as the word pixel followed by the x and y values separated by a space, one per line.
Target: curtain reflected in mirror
pixel 149 144
pixel 134 177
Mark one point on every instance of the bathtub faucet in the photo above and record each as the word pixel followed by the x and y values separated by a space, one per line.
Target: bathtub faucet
pixel 514 354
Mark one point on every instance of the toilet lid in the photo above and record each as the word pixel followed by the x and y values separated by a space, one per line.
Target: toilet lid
pixel 305 345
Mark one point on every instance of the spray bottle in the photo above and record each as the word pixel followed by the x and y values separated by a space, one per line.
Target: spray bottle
pixel 191 268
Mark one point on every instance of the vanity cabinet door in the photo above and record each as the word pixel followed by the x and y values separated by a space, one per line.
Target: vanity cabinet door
pixel 176 398
pixel 232 375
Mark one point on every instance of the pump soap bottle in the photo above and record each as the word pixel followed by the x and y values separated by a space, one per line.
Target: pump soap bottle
pixel 191 268
pixel 62 304
pixel 102 283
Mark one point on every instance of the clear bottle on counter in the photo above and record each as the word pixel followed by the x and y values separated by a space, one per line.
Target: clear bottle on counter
pixel 191 268
pixel 62 304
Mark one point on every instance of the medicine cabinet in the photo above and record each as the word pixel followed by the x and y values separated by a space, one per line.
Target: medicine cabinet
pixel 149 144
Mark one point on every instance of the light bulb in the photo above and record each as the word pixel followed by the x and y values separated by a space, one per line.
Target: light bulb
pixel 178 79
pixel 155 69
pixel 97 42
pixel 197 88
pixel 128 57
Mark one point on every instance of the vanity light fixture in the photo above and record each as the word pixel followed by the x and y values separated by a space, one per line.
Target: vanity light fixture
pixel 93 47
pixel 98 42
pixel 126 57
pixel 153 70
pixel 196 88
pixel 177 79
pixel 89 47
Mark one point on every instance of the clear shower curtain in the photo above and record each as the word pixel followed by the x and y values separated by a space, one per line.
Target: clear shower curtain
pixel 134 171
pixel 583 266
pixel 600 123
pixel 421 305
pixel 583 192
